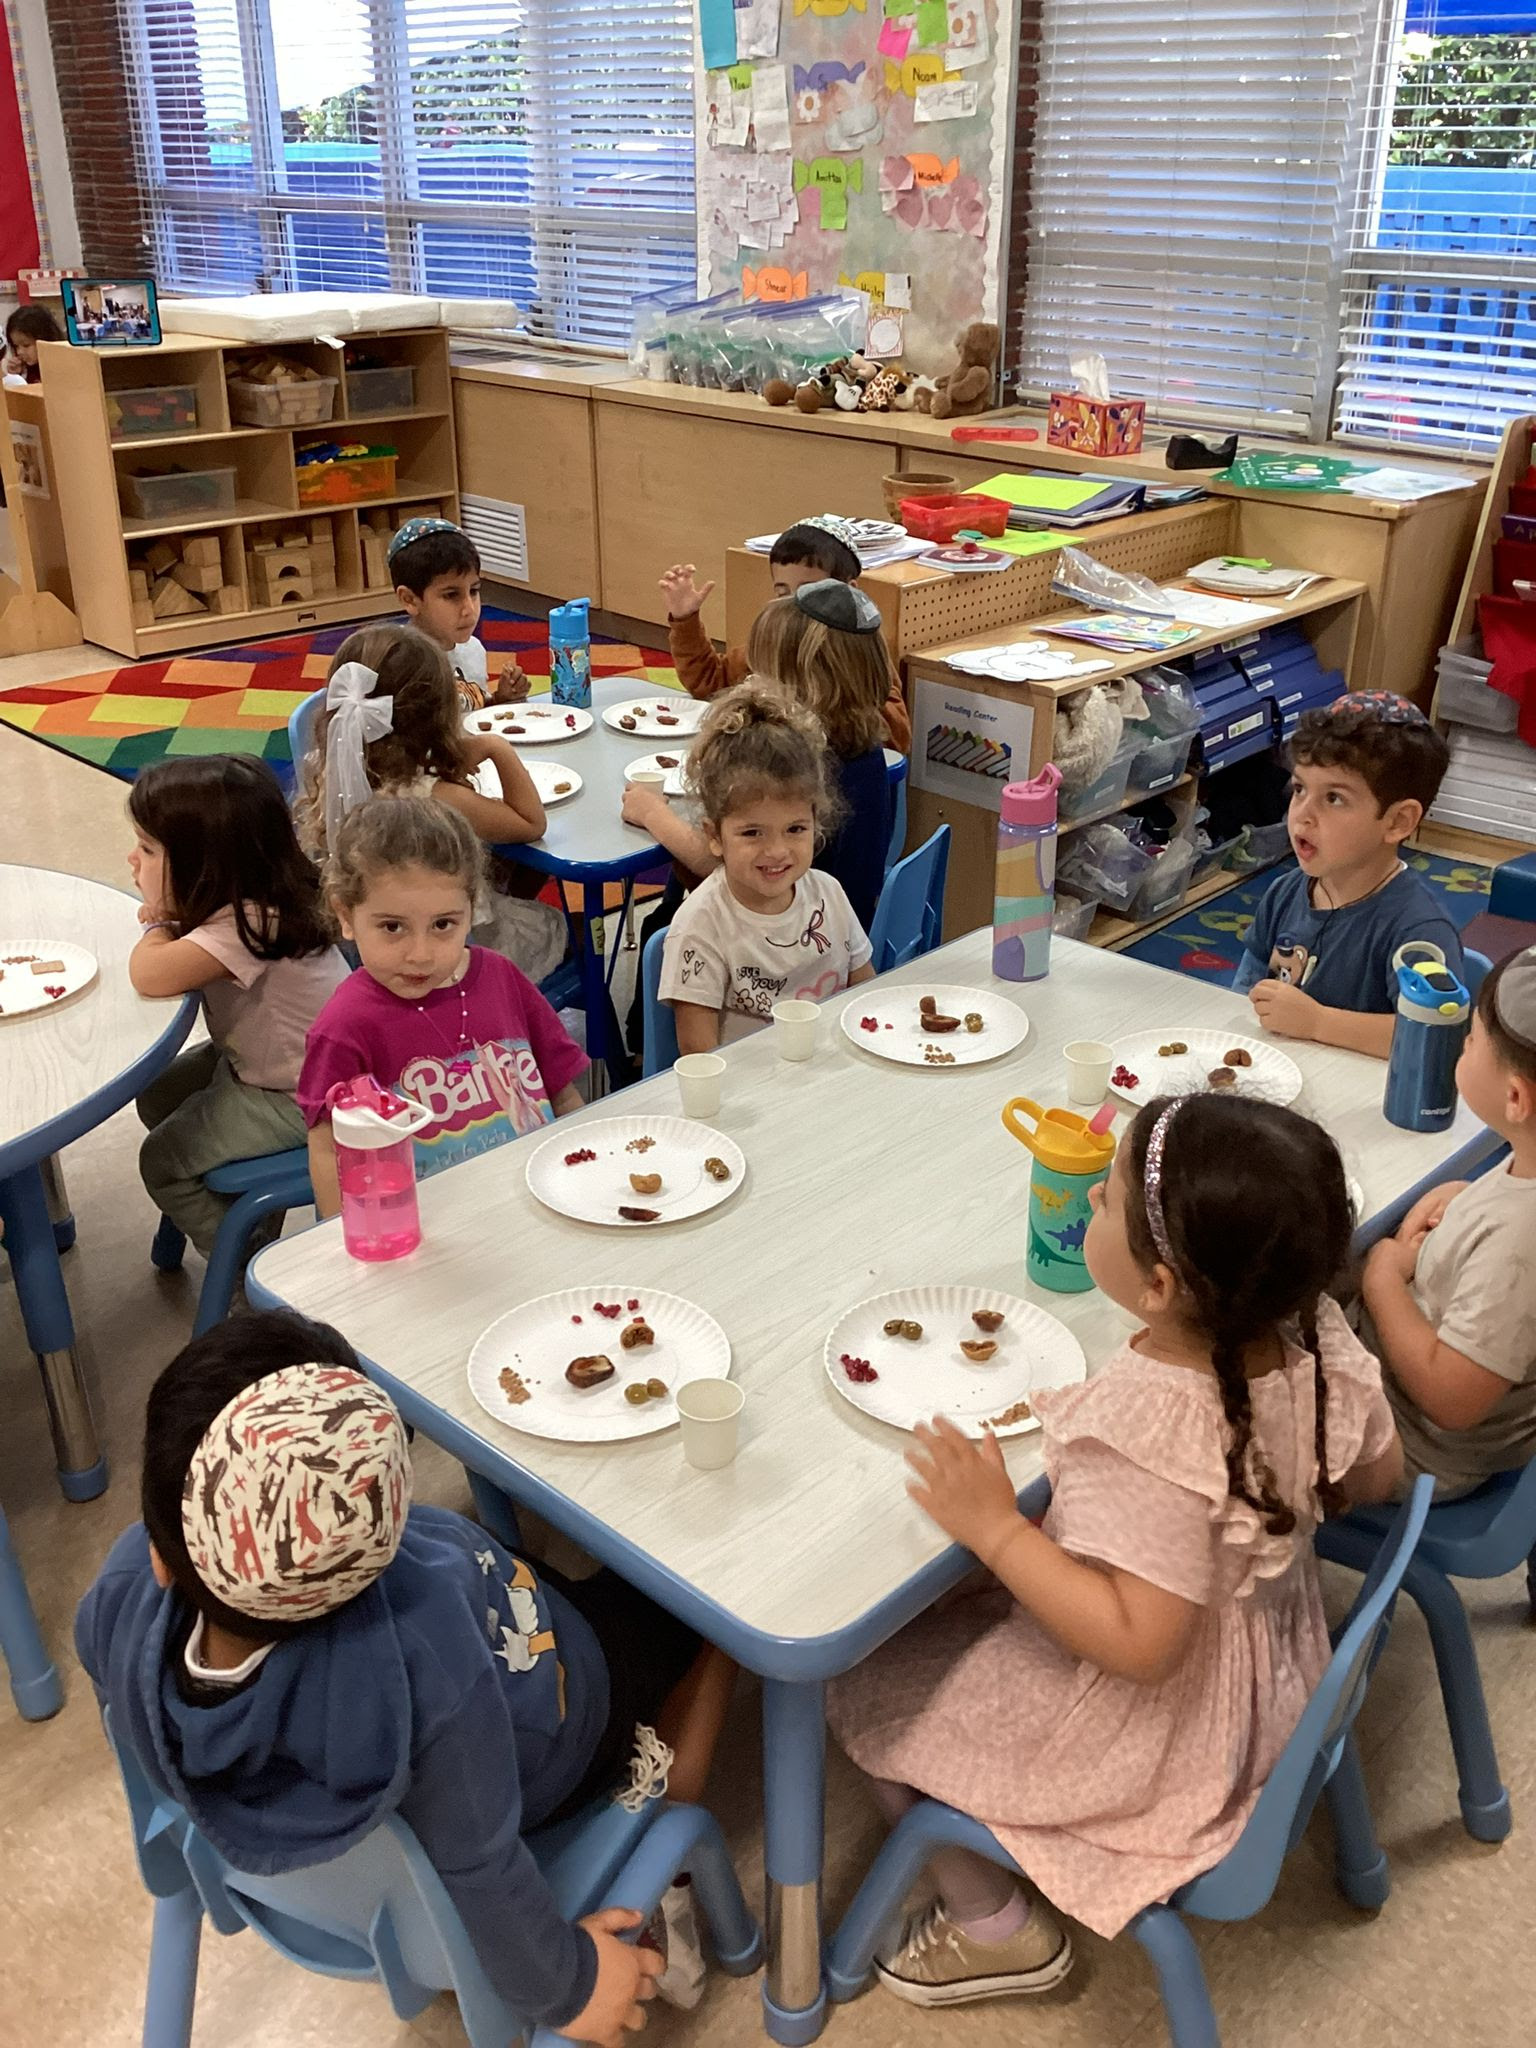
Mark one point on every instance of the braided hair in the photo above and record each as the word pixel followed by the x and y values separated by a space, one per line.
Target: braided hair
pixel 1257 1213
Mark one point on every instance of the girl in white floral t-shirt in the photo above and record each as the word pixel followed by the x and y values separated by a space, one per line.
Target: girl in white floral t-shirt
pixel 766 926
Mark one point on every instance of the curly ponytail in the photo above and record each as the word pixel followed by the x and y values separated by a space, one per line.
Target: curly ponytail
pixel 756 742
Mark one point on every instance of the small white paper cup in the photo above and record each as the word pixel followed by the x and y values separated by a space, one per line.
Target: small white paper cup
pixel 794 1029
pixel 699 1076
pixel 710 1411
pixel 648 778
pixel 1088 1064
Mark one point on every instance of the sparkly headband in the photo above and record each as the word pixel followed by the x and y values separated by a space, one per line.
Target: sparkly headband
pixel 1514 996
pixel 296 1498
pixel 414 529
pixel 1152 1184
pixel 1388 707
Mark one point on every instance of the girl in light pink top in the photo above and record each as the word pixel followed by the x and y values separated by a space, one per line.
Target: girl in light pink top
pixel 1112 1695
pixel 232 909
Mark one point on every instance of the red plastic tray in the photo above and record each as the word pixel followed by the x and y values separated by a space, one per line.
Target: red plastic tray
pixel 940 519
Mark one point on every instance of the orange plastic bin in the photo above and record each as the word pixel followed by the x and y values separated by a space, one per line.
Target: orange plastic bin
pixel 347 481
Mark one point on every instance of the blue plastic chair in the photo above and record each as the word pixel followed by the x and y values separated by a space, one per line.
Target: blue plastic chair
pixel 660 1024
pixel 1319 1757
pixel 302 721
pixel 898 772
pixel 381 1912
pixel 1478 966
pixel 278 1182
pixel 1513 890
pixel 909 918
pixel 35 1683
pixel 1482 1535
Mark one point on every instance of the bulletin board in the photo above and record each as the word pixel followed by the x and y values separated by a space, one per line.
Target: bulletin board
pixel 862 142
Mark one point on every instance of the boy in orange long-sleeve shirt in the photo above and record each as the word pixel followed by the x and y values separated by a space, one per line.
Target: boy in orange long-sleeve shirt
pixel 808 552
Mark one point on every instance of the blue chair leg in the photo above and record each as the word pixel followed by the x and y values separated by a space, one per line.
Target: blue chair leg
pixel 1359 1863
pixel 494 1510
pixel 34 1681
pixel 171 1993
pixel 57 1196
pixel 1484 1800
pixel 1186 2001
pixel 226 1263
pixel 851 1951
pixel 169 1247
pixel 688 1838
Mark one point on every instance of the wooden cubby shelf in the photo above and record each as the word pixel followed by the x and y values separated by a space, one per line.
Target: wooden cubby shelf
pixel 96 397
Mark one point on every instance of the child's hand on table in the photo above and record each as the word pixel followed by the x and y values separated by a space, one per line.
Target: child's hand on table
pixel 511 685
pixel 684 596
pixel 964 1486
pixel 626 1981
pixel 1283 1008
pixel 642 803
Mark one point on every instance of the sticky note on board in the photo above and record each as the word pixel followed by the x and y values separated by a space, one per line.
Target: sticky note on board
pixel 740 76
pixel 717 30
pixel 895 40
pixel 932 23
pixel 898 291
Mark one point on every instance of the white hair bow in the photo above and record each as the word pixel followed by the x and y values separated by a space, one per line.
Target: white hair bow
pixel 356 718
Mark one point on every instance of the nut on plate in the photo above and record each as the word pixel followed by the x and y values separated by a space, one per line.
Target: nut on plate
pixel 637 1334
pixel 1239 1056
pixel 717 1169
pixel 988 1319
pixel 978 1349
pixel 645 1183
pixel 1222 1077
pixel 900 1326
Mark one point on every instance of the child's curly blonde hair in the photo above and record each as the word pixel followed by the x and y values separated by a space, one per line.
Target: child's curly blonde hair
pixel 757 741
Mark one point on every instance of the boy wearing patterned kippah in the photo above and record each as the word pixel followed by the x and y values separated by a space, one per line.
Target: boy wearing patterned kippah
pixel 1451 1299
pixel 436 568
pixel 1317 962
pixel 296 1652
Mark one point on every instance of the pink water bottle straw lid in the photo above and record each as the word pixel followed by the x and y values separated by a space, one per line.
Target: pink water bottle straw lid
pixel 1032 803
pixel 369 1117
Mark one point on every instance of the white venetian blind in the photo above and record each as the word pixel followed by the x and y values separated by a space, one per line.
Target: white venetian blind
pixel 1438 311
pixel 538 150
pixel 1192 164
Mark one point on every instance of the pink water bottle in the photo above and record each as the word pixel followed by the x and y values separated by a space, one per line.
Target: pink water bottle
pixel 376 1165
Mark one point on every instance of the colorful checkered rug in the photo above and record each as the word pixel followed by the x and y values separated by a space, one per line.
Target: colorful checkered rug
pixel 236 700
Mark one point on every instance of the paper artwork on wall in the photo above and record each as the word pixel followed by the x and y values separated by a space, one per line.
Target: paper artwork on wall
pixel 717 32
pixel 757 27
pixel 774 287
pixel 969 43
pixel 949 100
pixel 887 335
pixel 770 107
pixel 826 181
pixel 729 119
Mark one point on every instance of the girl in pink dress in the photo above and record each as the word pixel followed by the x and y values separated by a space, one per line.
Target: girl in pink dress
pixel 1112 1698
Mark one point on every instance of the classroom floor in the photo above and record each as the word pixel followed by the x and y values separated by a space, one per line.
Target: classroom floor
pixel 1451 1960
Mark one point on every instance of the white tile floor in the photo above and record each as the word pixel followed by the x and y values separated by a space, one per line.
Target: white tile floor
pixel 1451 1961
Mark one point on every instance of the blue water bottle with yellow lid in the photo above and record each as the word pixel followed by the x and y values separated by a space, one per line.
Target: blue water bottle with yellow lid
pixel 1433 1011
pixel 570 654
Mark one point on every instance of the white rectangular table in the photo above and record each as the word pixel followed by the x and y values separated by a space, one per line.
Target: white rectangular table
pixel 805 1553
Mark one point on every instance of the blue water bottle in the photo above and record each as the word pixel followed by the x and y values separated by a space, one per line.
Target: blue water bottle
pixel 570 650
pixel 1433 1011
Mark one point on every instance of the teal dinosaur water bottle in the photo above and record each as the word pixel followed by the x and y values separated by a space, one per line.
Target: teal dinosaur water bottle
pixel 1072 1155
pixel 570 652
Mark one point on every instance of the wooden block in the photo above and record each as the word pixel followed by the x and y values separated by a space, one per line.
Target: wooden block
pixel 202 551
pixel 264 547
pixel 320 530
pixel 160 557
pixel 138 586
pixel 375 559
pixel 170 601
pixel 227 598
pixel 282 581
pixel 143 615
pixel 195 576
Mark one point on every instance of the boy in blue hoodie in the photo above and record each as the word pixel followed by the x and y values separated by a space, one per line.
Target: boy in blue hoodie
pixel 296 1652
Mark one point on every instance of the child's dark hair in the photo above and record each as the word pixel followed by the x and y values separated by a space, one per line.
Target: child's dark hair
pixel 1512 1051
pixel 424 736
pixel 1395 760
pixel 812 547
pixel 36 323
pixel 1257 1213
pixel 198 1384
pixel 230 844
pixel 391 832
pixel 445 551
pixel 756 741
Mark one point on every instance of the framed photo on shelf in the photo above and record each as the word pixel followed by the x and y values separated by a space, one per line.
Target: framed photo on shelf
pixel 111 312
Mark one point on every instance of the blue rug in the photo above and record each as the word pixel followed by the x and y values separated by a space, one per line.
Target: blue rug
pixel 1206 942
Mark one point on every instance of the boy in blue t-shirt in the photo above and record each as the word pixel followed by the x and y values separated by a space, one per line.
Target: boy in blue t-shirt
pixel 1317 962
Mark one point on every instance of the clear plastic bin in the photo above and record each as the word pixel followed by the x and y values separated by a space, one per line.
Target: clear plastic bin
pixel 1107 791
pixel 1105 862
pixel 1210 857
pixel 1166 885
pixel 348 481
pixel 392 389
pixel 281 405
pixel 157 409
pixel 1259 845
pixel 170 495
pixel 1160 763
pixel 1465 694
pixel 1073 916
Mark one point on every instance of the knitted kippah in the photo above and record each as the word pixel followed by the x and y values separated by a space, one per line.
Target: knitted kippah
pixel 414 529
pixel 839 528
pixel 296 1498
pixel 1384 704
pixel 838 605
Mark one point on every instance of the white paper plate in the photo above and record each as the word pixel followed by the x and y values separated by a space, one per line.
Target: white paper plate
pixel 22 992
pixel 553 782
pixel 539 1339
pixel 536 723
pixel 595 1190
pixel 1273 1077
pixel 686 711
pixel 899 1036
pixel 933 1376
pixel 674 785
pixel 1027 661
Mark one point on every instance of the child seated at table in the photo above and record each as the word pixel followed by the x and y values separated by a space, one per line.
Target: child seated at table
pixel 26 327
pixel 808 552
pixel 765 926
pixel 436 568
pixel 1317 962
pixel 233 911
pixel 1451 1299
pixel 1111 1700
pixel 456 1027
pixel 392 726
pixel 296 1652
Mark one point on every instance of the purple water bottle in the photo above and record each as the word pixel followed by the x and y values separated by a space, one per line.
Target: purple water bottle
pixel 1025 895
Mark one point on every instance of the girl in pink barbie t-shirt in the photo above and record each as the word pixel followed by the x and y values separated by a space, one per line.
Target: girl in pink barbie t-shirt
pixel 455 1027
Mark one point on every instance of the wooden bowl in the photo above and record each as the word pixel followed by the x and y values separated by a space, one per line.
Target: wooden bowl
pixel 915 483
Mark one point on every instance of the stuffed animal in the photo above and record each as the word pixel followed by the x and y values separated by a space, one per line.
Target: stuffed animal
pixel 1088 729
pixel 884 390
pixel 778 391
pixel 968 388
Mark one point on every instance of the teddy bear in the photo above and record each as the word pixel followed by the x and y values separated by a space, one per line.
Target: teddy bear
pixel 968 388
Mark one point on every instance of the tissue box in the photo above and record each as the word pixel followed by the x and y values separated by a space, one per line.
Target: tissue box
pixel 1096 426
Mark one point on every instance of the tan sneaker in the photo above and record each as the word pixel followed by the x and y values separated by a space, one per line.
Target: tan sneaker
pixel 936 1963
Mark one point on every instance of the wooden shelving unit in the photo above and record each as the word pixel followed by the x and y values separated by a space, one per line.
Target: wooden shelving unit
pixel 91 460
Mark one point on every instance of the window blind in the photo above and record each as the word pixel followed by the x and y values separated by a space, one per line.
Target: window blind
pixel 539 150
pixel 1438 310
pixel 1189 194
